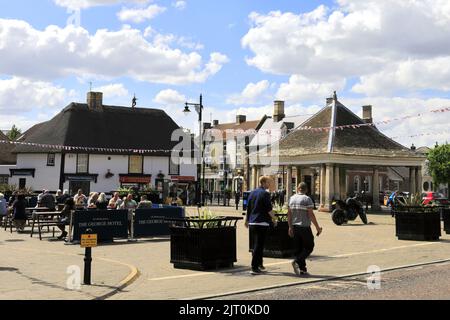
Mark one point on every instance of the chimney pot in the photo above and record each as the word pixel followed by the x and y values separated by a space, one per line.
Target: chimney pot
pixel 367 114
pixel 215 123
pixel 95 100
pixel 240 119
pixel 278 111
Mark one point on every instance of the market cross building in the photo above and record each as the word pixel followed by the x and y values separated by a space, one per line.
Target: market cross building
pixel 323 145
pixel 113 147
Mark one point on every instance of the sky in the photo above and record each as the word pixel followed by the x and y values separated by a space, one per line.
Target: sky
pixel 240 54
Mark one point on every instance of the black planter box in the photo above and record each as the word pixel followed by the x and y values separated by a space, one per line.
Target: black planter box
pixel 278 243
pixel 420 224
pixel 197 247
pixel 446 218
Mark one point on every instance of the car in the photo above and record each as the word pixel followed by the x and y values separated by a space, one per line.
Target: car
pixel 434 197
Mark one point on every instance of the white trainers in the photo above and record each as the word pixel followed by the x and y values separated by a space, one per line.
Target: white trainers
pixel 296 268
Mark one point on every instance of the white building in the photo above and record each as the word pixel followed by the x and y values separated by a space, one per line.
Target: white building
pixel 105 148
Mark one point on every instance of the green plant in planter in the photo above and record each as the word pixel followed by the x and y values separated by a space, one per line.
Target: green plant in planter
pixel 204 214
pixel 415 200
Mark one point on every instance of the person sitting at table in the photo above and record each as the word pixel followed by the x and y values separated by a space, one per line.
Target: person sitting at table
pixel 63 197
pixel 80 199
pixel 129 203
pixel 47 201
pixel 40 195
pixel 115 201
pixel 93 197
pixel 144 203
pixel 19 214
pixel 64 218
pixel 102 203
pixel 3 208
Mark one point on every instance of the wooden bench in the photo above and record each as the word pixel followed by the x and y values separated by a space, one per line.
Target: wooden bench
pixel 45 219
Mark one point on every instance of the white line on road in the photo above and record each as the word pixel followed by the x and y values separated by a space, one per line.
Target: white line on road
pixel 200 274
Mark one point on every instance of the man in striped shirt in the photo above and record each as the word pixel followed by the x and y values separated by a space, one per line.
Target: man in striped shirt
pixel 300 216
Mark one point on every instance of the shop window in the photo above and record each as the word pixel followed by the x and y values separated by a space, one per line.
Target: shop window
pixel 82 163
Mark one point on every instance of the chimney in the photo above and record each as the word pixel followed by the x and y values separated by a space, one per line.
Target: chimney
pixel 206 126
pixel 278 111
pixel 95 100
pixel 215 123
pixel 367 114
pixel 413 148
pixel 329 101
pixel 240 119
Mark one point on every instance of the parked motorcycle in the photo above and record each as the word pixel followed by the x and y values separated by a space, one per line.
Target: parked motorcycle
pixel 348 210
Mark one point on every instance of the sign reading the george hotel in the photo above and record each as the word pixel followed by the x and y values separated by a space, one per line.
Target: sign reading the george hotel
pixel 107 224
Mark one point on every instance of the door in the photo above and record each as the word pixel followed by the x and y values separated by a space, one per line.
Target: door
pixel 22 183
pixel 74 186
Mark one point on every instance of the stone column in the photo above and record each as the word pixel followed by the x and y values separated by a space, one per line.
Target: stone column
pixel 289 184
pixel 343 183
pixel 376 190
pixel 329 186
pixel 299 176
pixel 322 185
pixel 337 191
pixel 419 185
pixel 412 180
pixel 253 178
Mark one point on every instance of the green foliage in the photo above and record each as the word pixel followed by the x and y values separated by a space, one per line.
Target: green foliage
pixel 415 200
pixel 204 214
pixel 439 164
pixel 14 133
pixel 280 210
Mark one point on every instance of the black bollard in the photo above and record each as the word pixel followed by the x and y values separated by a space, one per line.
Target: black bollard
pixel 87 266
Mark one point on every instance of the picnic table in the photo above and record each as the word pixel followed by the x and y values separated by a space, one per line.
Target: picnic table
pixel 45 219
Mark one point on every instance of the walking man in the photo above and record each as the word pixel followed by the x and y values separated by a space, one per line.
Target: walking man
pixel 259 217
pixel 300 216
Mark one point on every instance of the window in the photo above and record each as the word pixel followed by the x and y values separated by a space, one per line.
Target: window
pixel 3 179
pixel 174 166
pixel 82 163
pixel 51 160
pixel 136 164
pixel 356 184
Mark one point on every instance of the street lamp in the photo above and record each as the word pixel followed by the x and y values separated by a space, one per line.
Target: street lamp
pixel 187 111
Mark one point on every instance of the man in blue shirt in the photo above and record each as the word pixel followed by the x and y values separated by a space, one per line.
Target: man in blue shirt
pixel 259 218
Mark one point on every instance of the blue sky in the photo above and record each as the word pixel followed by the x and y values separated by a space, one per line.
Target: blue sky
pixel 242 55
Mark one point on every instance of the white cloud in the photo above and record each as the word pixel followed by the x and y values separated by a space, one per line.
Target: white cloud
pixel 180 5
pixel 357 38
pixel 250 94
pixel 112 90
pixel 83 4
pixel 140 15
pixel 170 97
pixel 59 52
pixel 300 88
pixel 18 95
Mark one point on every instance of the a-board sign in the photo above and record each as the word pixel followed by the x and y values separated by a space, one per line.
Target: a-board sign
pixel 88 240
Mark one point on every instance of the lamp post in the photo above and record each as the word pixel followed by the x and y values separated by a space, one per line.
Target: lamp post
pixel 199 109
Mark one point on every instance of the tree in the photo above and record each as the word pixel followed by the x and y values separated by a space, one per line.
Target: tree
pixel 14 133
pixel 439 164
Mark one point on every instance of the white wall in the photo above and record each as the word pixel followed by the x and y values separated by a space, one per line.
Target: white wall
pixel 48 177
pixel 45 177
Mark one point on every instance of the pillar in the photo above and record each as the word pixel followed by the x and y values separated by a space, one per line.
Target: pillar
pixel 289 184
pixel 299 176
pixel 419 185
pixel 412 180
pixel 322 185
pixel 329 186
pixel 343 183
pixel 253 178
pixel 376 190
pixel 337 185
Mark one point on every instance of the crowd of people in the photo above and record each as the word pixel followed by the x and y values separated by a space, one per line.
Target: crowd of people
pixel 17 205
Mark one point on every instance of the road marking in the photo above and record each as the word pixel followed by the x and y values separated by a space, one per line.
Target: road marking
pixel 200 274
